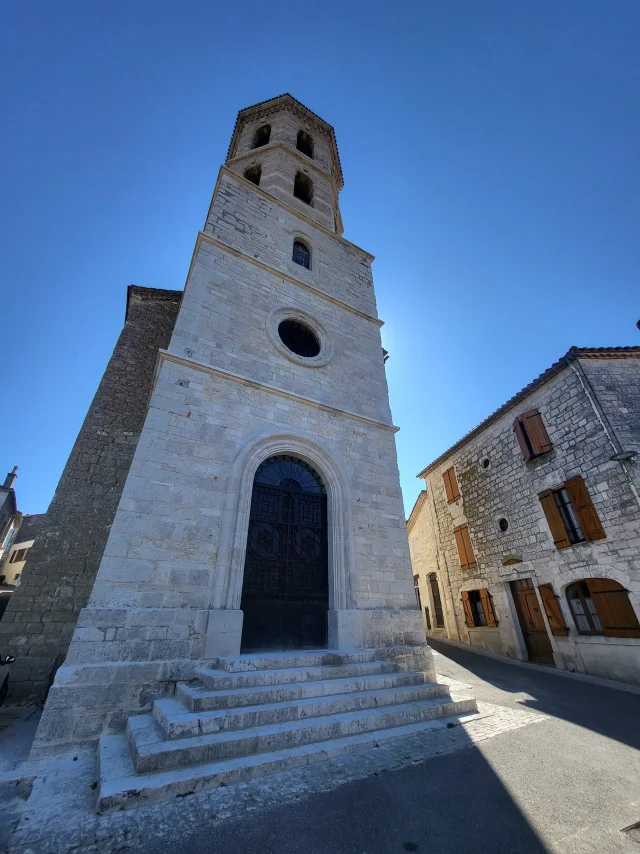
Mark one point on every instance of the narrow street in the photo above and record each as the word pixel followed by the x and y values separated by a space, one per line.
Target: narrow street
pixel 569 784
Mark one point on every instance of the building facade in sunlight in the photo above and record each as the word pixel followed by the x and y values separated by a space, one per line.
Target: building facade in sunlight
pixel 254 504
pixel 526 538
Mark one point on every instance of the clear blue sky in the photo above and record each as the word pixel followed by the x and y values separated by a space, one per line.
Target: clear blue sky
pixel 490 151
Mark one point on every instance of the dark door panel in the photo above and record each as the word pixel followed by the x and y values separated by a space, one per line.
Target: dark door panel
pixel 285 589
pixel 531 621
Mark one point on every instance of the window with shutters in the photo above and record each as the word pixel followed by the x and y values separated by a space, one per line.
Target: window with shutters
pixel 261 136
pixel 478 608
pixel 601 606
pixel 416 590
pixel 552 609
pixel 451 485
pixel 570 513
pixel 438 613
pixel 532 435
pixel 465 549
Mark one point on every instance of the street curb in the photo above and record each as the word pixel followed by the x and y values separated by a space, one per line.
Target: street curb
pixel 541 668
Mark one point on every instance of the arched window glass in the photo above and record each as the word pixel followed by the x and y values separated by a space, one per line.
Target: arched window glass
pixel 305 143
pixel 253 174
pixel 289 473
pixel 600 606
pixel 301 254
pixel 438 614
pixel 303 188
pixel 261 136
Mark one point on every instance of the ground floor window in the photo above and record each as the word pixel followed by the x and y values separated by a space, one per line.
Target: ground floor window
pixel 478 608
pixel 416 590
pixel 438 613
pixel 600 606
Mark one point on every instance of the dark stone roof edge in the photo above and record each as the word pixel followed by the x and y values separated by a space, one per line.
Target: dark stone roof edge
pixel 570 356
pixel 300 104
pixel 160 294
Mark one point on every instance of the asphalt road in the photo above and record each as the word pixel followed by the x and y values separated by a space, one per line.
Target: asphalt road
pixel 569 784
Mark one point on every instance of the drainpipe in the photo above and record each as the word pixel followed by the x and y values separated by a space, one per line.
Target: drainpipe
pixel 608 431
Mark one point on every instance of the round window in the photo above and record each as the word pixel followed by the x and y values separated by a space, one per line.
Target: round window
pixel 298 338
pixel 503 525
pixel 486 462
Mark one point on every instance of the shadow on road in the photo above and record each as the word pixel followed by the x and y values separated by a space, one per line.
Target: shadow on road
pixel 607 711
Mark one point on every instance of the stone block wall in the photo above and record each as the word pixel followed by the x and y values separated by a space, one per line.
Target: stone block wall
pixel 508 488
pixel 41 617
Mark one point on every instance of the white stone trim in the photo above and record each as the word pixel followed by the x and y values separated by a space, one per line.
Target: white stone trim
pixel 235 519
pixel 276 317
pixel 165 355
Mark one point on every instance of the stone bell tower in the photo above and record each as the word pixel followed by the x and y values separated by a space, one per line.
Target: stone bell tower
pixel 263 507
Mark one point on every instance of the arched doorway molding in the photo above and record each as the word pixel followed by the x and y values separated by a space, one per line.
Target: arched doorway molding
pixel 235 522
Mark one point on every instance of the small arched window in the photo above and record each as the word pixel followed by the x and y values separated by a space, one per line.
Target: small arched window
pixel 261 136
pixel 253 174
pixel 601 606
pixel 305 143
pixel 301 254
pixel 303 188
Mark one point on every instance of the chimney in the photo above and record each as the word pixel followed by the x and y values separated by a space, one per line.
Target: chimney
pixel 11 478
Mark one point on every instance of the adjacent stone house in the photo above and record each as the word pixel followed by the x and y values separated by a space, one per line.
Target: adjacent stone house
pixel 526 538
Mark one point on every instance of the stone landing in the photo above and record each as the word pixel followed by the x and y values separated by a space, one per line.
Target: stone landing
pixel 255 715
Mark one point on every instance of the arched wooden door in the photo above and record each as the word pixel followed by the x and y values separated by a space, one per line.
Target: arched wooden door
pixel 285 590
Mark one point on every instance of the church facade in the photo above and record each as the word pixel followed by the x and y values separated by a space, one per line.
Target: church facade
pixel 261 518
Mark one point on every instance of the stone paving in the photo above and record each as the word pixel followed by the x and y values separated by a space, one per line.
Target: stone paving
pixel 60 814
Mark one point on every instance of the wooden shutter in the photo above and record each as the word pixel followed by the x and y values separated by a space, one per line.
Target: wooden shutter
pixel 552 610
pixel 451 485
pixel 536 432
pixel 468 610
pixel 465 549
pixel 614 609
pixel 522 440
pixel 554 520
pixel 487 605
pixel 585 511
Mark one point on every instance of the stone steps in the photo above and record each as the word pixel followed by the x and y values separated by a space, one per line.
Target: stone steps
pixel 218 680
pixel 198 699
pixel 176 723
pixel 122 788
pixel 152 752
pixel 280 711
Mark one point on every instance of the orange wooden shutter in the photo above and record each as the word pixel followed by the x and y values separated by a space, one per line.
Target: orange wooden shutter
pixel 537 432
pixel 614 609
pixel 471 559
pixel 522 440
pixel 552 610
pixel 465 549
pixel 468 611
pixel 451 485
pixel 585 511
pixel 554 520
pixel 487 605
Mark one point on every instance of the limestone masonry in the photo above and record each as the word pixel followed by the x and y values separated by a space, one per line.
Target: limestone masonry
pixel 526 539
pixel 275 355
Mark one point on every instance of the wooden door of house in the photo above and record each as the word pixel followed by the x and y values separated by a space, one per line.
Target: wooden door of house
pixel 531 621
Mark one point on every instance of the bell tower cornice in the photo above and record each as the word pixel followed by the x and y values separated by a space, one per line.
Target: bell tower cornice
pixel 265 109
